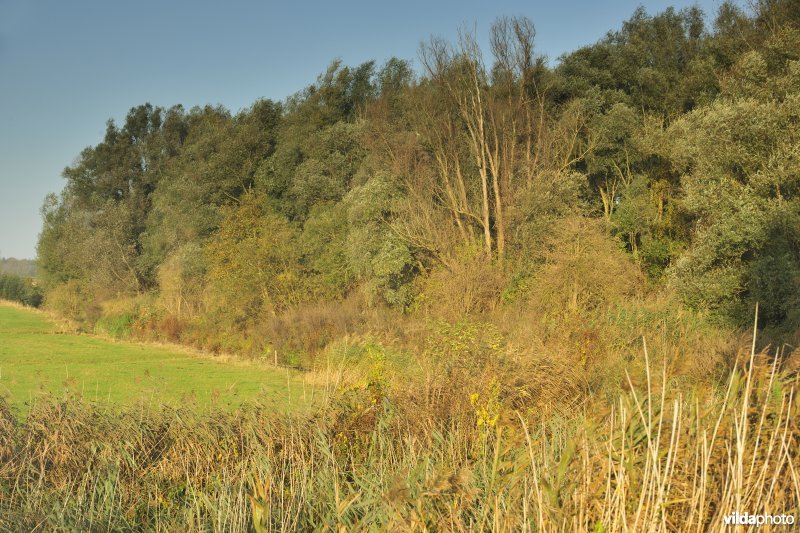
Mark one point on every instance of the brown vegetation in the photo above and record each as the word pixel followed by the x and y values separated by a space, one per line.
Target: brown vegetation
pixel 419 453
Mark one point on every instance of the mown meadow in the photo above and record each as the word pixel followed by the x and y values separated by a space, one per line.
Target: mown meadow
pixel 41 358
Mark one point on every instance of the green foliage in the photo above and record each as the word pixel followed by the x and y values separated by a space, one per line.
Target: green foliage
pixel 741 190
pixel 448 191
pixel 216 164
pixel 253 263
pixel 635 213
pixel 658 63
pixel 375 253
pixel 324 248
pixel 117 326
pixel 325 175
pixel 19 289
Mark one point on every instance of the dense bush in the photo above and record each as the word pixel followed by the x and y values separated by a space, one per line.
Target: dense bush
pixel 23 290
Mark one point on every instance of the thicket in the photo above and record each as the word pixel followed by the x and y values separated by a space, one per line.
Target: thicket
pixel 21 290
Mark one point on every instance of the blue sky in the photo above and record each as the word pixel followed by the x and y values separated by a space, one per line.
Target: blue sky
pixel 67 67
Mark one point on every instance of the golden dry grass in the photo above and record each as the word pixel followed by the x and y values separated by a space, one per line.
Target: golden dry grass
pixel 656 459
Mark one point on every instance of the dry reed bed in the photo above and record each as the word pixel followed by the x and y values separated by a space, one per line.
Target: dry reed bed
pixel 658 459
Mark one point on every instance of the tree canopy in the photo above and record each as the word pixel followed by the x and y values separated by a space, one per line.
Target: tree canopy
pixel 671 142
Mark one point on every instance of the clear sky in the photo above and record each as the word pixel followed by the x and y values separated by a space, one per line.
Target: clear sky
pixel 68 66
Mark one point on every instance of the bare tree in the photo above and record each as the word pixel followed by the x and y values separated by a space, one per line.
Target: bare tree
pixel 488 131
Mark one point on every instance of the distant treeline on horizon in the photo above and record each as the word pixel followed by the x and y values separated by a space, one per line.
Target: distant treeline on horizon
pixel 25 268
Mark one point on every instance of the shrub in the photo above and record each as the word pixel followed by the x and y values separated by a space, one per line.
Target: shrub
pixel 117 326
pixel 19 289
pixel 471 285
pixel 583 270
pixel 75 301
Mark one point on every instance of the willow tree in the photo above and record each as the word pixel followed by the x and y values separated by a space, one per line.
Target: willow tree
pixel 741 190
pixel 489 132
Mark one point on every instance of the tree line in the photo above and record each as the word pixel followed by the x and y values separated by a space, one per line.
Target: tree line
pixel 663 157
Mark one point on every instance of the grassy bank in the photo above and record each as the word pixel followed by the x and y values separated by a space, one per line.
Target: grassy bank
pixel 37 357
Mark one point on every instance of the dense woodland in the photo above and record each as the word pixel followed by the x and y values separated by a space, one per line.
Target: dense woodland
pixel 660 163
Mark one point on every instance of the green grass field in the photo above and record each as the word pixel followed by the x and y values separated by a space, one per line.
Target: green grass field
pixel 36 359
